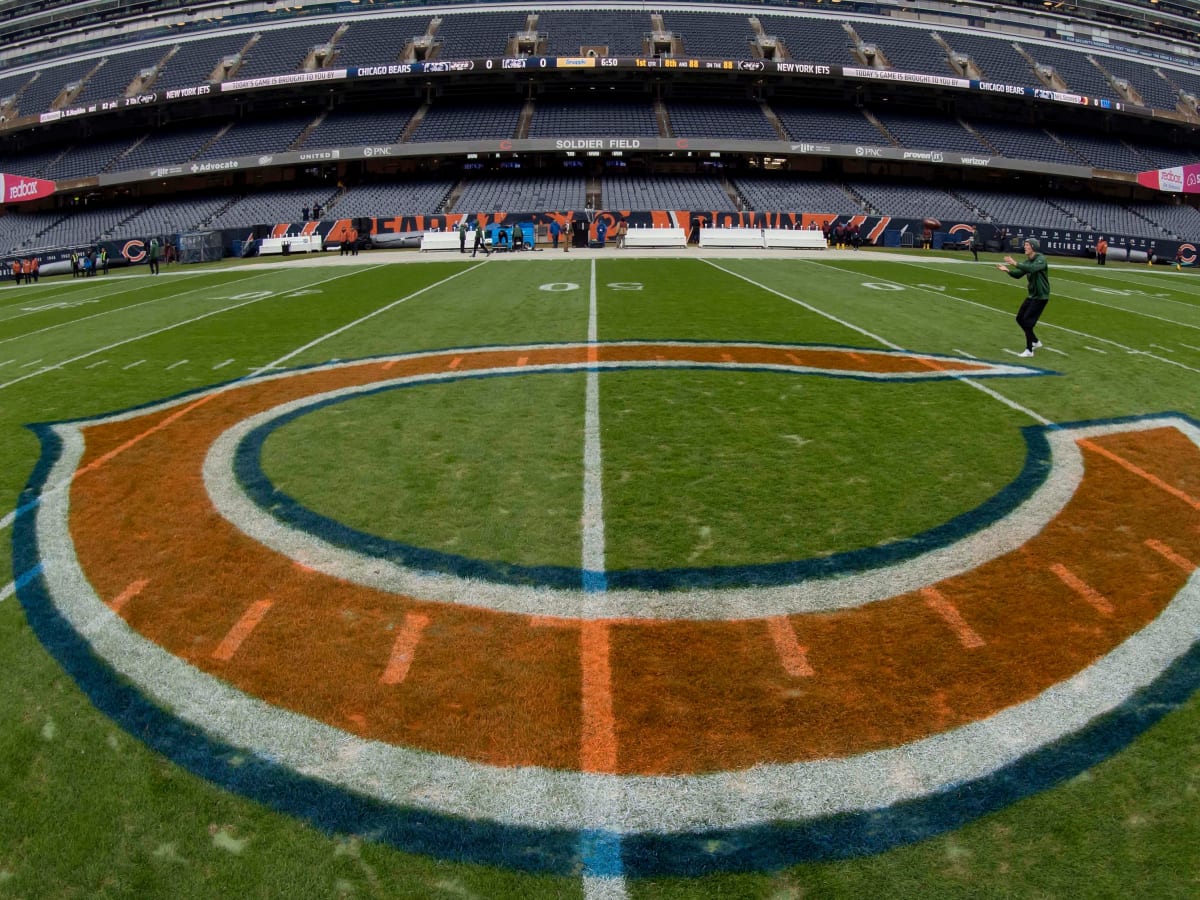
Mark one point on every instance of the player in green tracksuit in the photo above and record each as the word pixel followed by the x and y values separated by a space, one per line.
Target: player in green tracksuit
pixel 1034 268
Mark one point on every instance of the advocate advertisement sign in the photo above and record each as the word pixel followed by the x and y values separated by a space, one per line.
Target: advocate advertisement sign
pixel 21 188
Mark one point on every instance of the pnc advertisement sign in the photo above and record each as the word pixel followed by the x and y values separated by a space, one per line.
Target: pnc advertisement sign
pixel 20 188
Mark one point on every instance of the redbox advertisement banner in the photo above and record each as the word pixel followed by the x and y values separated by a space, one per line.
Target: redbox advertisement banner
pixel 20 188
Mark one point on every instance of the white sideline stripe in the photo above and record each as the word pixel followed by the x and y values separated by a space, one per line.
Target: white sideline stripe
pixel 361 319
pixel 1011 404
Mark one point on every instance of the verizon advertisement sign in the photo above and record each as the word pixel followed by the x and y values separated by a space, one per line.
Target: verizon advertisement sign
pixel 19 188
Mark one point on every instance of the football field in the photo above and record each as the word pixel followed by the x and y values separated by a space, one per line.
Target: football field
pixel 600 575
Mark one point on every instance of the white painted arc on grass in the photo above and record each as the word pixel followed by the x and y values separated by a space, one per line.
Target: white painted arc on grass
pixel 840 592
pixel 530 797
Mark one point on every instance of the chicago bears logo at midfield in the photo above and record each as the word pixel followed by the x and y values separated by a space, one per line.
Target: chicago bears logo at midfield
pixel 529 718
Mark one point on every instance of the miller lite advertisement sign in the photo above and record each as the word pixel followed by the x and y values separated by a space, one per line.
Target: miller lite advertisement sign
pixel 21 188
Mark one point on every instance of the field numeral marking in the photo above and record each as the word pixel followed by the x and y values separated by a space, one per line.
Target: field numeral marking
pixel 883 286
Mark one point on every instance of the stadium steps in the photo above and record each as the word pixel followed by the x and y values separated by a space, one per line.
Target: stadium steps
pixel 220 211
pixel 891 138
pixel 309 129
pixel 1066 146
pixel 1161 227
pixel 1123 86
pixel 452 196
pixel 524 120
pixel 1043 73
pixel 858 198
pixel 978 136
pixel 212 140
pixel 985 217
pixel 774 120
pixel 124 153
pixel 414 123
pixel 663 118
pixel 739 202
pixel 1082 223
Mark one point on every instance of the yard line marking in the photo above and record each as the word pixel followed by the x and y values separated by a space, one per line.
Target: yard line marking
pixel 1189 346
pixel 176 364
pixel 965 353
pixel 455 363
pixel 222 365
pixel 241 630
pixel 1011 404
pixel 593 549
pixel 132 365
pixel 93 365
pixel 1095 349
pixel 136 337
pixel 132 590
pixel 34 363
pixel 1170 555
pixel 1161 347
pixel 1055 350
pixel 404 648
pixel 598 740
pixel 1141 473
pixel 1101 603
pixel 369 315
pixel 791 654
pixel 6 362
pixel 109 312
pixel 967 636
pixel 13 586
pixel 600 850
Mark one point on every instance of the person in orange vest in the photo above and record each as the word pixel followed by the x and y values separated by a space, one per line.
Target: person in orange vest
pixel 16 267
pixel 33 267
pixel 1101 251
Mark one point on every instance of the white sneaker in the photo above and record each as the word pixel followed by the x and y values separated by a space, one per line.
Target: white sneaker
pixel 1037 345
pixel 1025 353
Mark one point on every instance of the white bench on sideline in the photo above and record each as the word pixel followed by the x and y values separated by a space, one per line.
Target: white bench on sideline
pixel 762 238
pixel 297 243
pixel 445 240
pixel 656 237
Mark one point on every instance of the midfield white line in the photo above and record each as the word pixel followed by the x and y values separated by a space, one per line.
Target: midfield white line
pixel 1012 404
pixel 603 875
pixel 593 495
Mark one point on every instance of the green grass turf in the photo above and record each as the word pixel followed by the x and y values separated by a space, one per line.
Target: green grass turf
pixel 87 811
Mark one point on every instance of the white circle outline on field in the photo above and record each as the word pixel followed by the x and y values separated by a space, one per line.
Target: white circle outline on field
pixel 810 595
pixel 537 797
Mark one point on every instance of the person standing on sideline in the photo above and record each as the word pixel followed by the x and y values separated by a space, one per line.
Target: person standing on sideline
pixel 555 233
pixel 154 249
pixel 601 232
pixel 975 244
pixel 1035 269
pixel 462 235
pixel 622 230
pixel 480 244
pixel 1101 251
pixel 104 260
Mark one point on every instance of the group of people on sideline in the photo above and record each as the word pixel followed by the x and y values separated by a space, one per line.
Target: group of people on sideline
pixel 27 269
pixel 86 264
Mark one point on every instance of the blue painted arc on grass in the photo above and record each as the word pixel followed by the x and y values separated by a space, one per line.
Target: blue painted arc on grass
pixel 263 492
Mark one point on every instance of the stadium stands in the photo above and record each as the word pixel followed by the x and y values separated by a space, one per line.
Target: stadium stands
pixel 522 194
pixel 567 117
pixel 741 121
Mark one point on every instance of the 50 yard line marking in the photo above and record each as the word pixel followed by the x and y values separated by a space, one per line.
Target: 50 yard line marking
pixel 600 851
